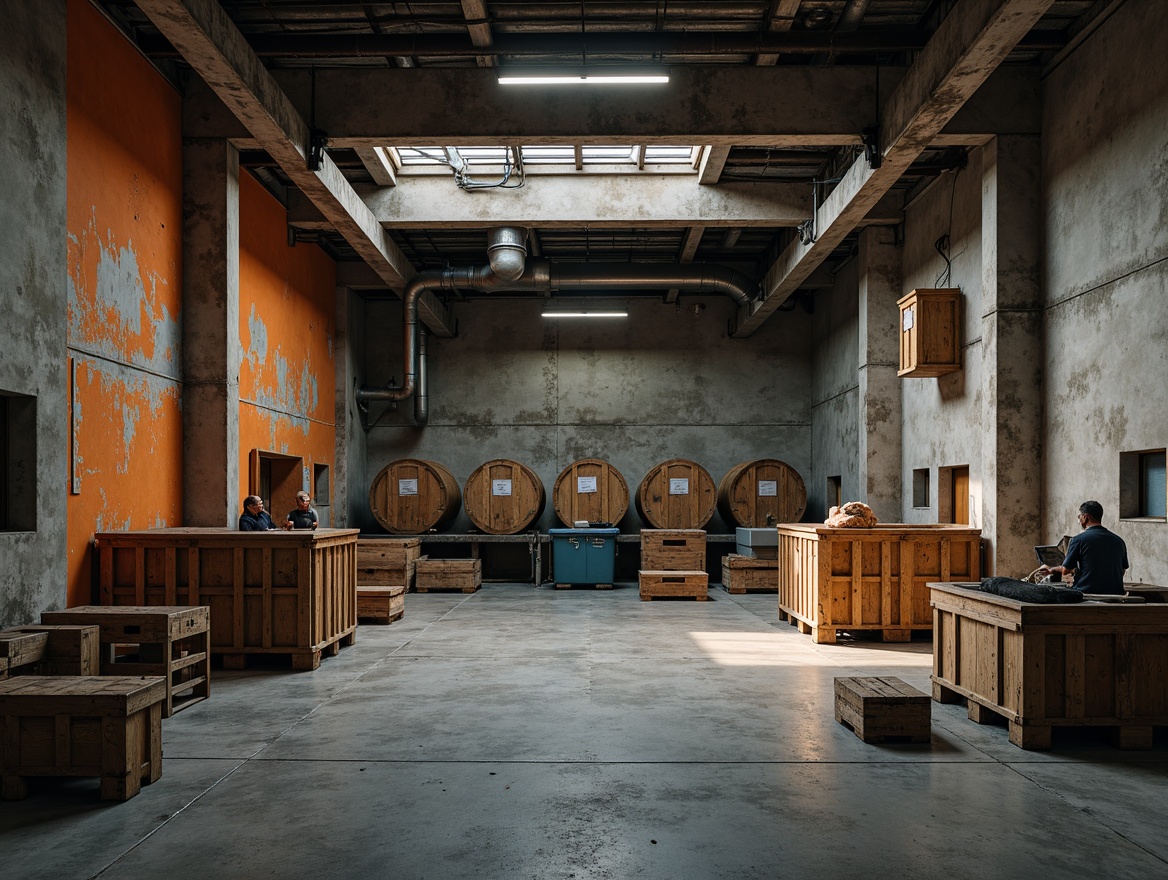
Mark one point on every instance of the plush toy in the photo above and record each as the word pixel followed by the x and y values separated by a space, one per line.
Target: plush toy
pixel 853 515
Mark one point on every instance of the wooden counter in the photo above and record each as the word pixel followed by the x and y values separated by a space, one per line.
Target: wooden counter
pixel 1039 666
pixel 833 579
pixel 269 592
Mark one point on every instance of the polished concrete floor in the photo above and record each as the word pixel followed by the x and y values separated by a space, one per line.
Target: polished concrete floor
pixel 535 733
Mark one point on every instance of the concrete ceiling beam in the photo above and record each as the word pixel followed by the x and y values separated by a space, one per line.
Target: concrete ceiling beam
pixel 760 106
pixel 974 38
pixel 713 161
pixel 215 49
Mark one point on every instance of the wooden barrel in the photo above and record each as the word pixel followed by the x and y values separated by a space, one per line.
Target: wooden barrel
pixel 590 489
pixel 676 494
pixel 412 496
pixel 504 497
pixel 752 490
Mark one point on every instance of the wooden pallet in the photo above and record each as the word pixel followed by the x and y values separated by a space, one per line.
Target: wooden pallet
pixel 381 604
pixel 596 586
pixel 673 550
pixel 448 574
pixel 743 574
pixel 882 709
pixel 674 584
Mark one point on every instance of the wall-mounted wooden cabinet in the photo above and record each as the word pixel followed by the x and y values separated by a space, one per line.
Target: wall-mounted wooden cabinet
pixel 930 333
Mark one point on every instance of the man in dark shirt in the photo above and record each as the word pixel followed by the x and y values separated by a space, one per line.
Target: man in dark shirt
pixel 253 518
pixel 303 517
pixel 1096 555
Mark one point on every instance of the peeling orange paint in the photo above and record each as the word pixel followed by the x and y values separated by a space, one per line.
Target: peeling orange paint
pixel 125 282
pixel 286 328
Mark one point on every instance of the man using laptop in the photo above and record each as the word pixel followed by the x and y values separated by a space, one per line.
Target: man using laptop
pixel 1096 555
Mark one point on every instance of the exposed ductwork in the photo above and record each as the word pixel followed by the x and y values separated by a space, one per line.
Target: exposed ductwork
pixel 510 271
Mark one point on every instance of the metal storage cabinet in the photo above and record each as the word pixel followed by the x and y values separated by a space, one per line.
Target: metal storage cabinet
pixel 583 556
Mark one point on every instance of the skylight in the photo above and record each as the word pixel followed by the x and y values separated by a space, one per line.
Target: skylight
pixel 544 155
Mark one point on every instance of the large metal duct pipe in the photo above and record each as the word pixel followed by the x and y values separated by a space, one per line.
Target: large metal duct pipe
pixel 542 276
pixel 507 251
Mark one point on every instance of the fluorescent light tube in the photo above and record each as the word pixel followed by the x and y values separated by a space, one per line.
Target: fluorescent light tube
pixel 576 76
pixel 585 314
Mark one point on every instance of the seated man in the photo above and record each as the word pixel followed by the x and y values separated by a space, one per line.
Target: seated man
pixel 303 517
pixel 253 518
pixel 1096 555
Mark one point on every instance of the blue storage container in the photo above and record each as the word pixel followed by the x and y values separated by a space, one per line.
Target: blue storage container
pixel 583 556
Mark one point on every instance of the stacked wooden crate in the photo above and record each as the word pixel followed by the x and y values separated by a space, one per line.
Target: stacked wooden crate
pixel 50 650
pixel 673 564
pixel 385 573
pixel 448 574
pixel 749 574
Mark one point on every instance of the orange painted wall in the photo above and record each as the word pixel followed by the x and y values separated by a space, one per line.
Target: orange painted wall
pixel 287 320
pixel 125 291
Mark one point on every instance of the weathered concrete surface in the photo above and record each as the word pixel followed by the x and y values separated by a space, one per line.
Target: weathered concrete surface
pixel 878 453
pixel 663 383
pixel 350 503
pixel 211 346
pixel 1105 175
pixel 32 293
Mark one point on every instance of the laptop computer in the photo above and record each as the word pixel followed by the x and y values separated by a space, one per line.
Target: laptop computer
pixel 1053 554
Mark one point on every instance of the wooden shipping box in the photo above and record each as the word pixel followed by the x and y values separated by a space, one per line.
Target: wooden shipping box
pixel 380 604
pixel 673 549
pixel 742 574
pixel 673 584
pixel 875 579
pixel 930 333
pixel 68 650
pixel 387 561
pixel 449 574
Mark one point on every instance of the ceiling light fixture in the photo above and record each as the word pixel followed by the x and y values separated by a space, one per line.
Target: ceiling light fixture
pixel 598 76
pixel 585 314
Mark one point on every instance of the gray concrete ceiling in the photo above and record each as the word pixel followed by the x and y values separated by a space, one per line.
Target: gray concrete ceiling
pixel 776 93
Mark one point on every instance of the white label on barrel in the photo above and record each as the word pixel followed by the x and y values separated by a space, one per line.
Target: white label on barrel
pixel 407 487
pixel 907 322
pixel 500 487
pixel 586 485
pixel 768 488
pixel 678 485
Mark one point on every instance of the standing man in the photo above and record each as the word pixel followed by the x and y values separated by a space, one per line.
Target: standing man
pixel 303 517
pixel 1096 555
pixel 254 518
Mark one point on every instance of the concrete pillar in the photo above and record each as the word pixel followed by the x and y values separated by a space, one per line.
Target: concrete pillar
pixel 211 348
pixel 879 407
pixel 1012 342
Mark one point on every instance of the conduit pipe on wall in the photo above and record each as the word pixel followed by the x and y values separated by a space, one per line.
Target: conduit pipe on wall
pixel 508 252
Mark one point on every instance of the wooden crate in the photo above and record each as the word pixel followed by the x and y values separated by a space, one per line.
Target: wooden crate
pixel 81 726
pixel 882 709
pixel 380 604
pixel 1044 666
pixel 68 650
pixel 833 579
pixel 449 574
pixel 930 332
pixel 292 593
pixel 170 641
pixel 743 574
pixel 387 562
pixel 673 549
pixel 22 649
pixel 673 584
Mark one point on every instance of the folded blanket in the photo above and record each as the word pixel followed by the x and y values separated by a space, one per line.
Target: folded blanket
pixel 1043 594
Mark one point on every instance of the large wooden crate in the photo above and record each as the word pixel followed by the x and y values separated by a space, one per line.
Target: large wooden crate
pixel 673 549
pixel 673 585
pixel 387 562
pixel 291 593
pixel 743 574
pixel 68 650
pixel 449 574
pixel 81 726
pixel 1044 666
pixel 833 579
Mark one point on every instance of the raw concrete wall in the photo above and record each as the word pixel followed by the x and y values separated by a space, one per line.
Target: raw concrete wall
pixel 942 417
pixel 32 291
pixel 1105 176
pixel 663 383
pixel 835 419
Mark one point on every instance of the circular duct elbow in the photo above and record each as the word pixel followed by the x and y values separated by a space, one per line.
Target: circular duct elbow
pixel 507 251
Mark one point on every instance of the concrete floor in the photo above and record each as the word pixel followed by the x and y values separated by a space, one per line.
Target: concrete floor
pixel 535 733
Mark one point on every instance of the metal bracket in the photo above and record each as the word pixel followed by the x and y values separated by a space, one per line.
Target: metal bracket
pixel 870 138
pixel 317 141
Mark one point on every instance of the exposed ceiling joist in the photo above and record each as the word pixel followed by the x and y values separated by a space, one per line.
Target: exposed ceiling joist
pixel 713 161
pixel 378 165
pixel 967 47
pixel 781 17
pixel 689 248
pixel 218 52
pixel 479 29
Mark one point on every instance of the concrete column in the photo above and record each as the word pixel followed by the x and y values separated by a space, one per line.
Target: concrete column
pixel 212 490
pixel 879 409
pixel 1012 342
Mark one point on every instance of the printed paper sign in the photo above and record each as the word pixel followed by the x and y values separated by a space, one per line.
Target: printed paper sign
pixel 907 322
pixel 768 488
pixel 585 485
pixel 679 486
pixel 500 487
pixel 407 487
